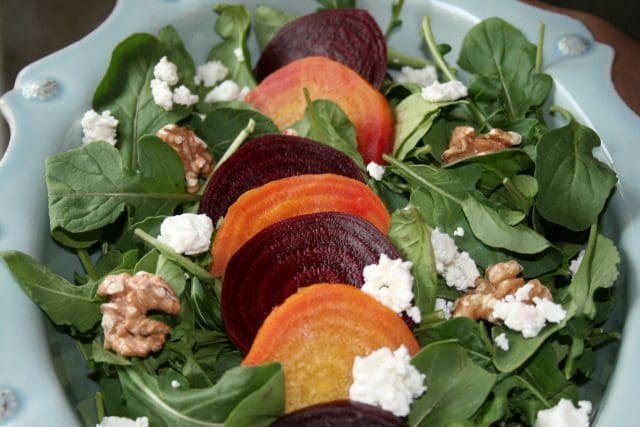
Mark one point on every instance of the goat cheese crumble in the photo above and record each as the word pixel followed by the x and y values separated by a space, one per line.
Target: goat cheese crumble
pixel 576 262
pixel 420 76
pixel 210 73
pixel 387 379
pixel 183 96
pixel 237 52
pixel 375 171
pixel 457 268
pixel 502 342
pixel 188 233
pixel 390 282
pixel 166 71
pixel 228 90
pixel 99 127
pixel 443 92
pixel 161 93
pixel 529 319
pixel 124 422
pixel 564 414
pixel 445 306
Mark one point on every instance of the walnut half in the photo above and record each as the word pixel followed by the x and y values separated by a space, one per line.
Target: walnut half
pixel 500 280
pixel 127 330
pixel 465 143
pixel 193 152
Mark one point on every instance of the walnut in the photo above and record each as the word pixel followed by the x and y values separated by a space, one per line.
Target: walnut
pixel 192 150
pixel 465 143
pixel 126 327
pixel 499 281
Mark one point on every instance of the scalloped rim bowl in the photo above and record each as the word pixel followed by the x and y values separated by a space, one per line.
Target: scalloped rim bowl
pixel 44 388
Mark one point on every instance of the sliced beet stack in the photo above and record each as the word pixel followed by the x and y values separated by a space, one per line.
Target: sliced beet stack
pixel 343 413
pixel 349 36
pixel 329 247
pixel 266 159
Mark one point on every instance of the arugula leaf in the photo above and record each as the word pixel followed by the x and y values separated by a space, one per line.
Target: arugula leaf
pixel 410 234
pixel 502 56
pixel 172 46
pixel 457 387
pixel 268 21
pixel 566 166
pixel 395 22
pixel 125 91
pixel 336 4
pixel 233 26
pixel 248 394
pixel 89 187
pixel 64 303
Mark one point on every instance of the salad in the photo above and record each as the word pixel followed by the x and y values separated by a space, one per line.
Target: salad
pixel 460 193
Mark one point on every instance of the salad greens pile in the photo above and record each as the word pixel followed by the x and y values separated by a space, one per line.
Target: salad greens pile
pixel 538 204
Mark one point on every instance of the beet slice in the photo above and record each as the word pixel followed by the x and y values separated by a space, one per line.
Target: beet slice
pixel 340 413
pixel 330 247
pixel 266 159
pixel 349 36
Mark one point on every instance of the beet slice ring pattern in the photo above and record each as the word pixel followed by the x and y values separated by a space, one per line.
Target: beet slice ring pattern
pixel 349 36
pixel 339 413
pixel 328 247
pixel 266 159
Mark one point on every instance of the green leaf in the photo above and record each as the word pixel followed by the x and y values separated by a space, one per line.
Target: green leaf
pixel 410 234
pixel 468 333
pixel 336 4
pixel 89 187
pixel 64 303
pixel 172 273
pixel 125 91
pixel 574 185
pixel 490 228
pixel 233 26
pixel 457 387
pixel 256 391
pixel 173 47
pixel 501 55
pixel 268 21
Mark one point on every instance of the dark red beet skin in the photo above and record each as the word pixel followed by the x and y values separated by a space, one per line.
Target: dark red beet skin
pixel 341 413
pixel 268 158
pixel 329 247
pixel 349 36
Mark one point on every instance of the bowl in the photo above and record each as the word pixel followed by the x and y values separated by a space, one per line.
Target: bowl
pixel 42 376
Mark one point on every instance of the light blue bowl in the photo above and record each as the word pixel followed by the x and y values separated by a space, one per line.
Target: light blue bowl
pixel 43 371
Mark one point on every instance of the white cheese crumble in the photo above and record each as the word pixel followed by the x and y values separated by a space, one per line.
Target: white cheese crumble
pixel 387 379
pixel 183 96
pixel 502 342
pixel 211 73
pixel 576 262
pixel 175 384
pixel 188 233
pixel 390 282
pixel 162 94
pixel 457 268
pixel 166 71
pixel 442 92
pixel 458 232
pixel 99 127
pixel 529 319
pixel 237 52
pixel 564 414
pixel 420 76
pixel 228 90
pixel 375 171
pixel 124 422
pixel 445 306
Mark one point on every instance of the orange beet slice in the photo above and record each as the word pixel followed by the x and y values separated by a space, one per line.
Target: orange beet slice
pixel 288 197
pixel 316 335
pixel 280 97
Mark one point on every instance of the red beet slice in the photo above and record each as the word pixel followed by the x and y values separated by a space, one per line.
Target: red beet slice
pixel 341 413
pixel 349 36
pixel 268 158
pixel 329 247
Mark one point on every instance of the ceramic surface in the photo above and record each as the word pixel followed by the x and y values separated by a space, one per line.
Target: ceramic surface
pixel 40 376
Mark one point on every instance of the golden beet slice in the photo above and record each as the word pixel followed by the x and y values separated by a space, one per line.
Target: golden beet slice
pixel 281 97
pixel 288 197
pixel 316 335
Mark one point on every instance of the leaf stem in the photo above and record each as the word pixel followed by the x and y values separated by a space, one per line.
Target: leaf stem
pixel 476 112
pixel 534 391
pixel 100 411
pixel 87 264
pixel 404 169
pixel 397 59
pixel 182 261
pixel 538 68
pixel 237 142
